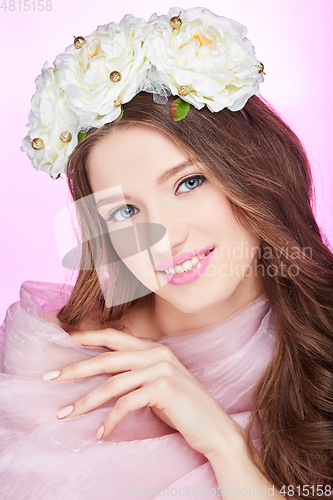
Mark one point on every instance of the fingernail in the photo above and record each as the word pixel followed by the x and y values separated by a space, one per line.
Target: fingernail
pixel 51 375
pixel 100 432
pixel 65 411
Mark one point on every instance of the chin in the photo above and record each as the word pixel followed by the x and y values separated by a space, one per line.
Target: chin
pixel 203 299
pixel 192 306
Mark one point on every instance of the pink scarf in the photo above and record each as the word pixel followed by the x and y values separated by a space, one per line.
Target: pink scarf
pixel 44 458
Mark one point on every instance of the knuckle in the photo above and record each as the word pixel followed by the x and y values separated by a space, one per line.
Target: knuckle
pixel 164 384
pixel 104 358
pixel 110 384
pixel 122 404
pixel 166 353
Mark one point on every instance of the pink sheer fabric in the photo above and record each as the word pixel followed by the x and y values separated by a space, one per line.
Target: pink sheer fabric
pixel 42 457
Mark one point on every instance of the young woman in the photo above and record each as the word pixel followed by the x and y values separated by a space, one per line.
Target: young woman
pixel 221 381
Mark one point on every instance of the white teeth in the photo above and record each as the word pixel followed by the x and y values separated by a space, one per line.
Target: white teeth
pixel 188 264
pixel 170 270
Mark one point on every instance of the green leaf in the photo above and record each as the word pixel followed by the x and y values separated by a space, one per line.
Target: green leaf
pixel 179 109
pixel 81 136
pixel 120 116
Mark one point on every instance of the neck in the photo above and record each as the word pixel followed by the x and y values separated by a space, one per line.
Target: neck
pixel 167 320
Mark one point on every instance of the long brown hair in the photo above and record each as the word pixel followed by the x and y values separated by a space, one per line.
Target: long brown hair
pixel 261 166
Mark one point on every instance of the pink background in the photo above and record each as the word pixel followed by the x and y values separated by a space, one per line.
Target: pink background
pixel 291 37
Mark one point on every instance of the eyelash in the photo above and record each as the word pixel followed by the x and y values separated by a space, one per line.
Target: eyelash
pixel 112 214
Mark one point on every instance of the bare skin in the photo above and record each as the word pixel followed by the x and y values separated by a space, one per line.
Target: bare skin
pixel 137 321
pixel 144 372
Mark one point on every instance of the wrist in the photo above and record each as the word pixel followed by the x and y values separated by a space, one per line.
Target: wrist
pixel 228 447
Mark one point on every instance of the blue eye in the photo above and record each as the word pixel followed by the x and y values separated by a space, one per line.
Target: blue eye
pixel 126 209
pixel 193 183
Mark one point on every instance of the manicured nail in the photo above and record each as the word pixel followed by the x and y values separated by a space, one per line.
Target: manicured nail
pixel 65 411
pixel 51 375
pixel 100 432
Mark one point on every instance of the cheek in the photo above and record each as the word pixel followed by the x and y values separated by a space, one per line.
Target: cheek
pixel 212 210
pixel 137 246
pixel 217 215
pixel 236 242
pixel 120 241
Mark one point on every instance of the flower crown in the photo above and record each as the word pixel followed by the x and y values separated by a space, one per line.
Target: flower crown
pixel 203 58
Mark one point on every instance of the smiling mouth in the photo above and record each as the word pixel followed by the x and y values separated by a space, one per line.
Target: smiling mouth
pixel 187 265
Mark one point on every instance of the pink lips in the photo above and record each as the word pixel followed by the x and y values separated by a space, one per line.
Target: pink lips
pixel 192 274
pixel 182 258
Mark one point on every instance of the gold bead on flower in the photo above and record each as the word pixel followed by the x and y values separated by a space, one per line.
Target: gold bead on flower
pixel 176 22
pixel 65 136
pixel 115 76
pixel 117 102
pixel 261 68
pixel 184 90
pixel 37 143
pixel 79 41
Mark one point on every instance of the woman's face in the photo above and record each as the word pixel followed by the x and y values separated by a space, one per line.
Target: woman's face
pixel 159 187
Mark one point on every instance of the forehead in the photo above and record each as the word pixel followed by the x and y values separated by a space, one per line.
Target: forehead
pixel 130 153
pixel 135 135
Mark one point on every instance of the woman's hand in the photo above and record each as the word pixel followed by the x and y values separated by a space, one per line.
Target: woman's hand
pixel 147 373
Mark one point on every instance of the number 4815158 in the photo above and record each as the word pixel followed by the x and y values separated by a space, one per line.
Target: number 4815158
pixel 26 5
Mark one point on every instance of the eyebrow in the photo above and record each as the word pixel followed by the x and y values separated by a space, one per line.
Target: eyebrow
pixel 159 181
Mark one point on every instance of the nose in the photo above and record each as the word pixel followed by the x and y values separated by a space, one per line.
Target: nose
pixel 176 230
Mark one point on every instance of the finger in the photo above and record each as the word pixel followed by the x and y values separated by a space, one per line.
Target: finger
pixel 80 337
pixel 144 396
pixel 112 339
pixel 123 329
pixel 117 362
pixel 122 384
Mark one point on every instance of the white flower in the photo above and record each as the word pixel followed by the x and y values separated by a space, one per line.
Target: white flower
pixel 209 54
pixel 48 118
pixel 84 73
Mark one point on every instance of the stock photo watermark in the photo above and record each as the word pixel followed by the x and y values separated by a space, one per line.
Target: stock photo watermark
pixel 141 254
pixel 244 270
pixel 233 257
pixel 245 251
pixel 197 490
pixel 26 5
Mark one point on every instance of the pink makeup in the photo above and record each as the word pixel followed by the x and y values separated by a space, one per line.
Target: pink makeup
pixel 191 274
